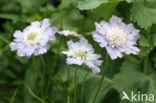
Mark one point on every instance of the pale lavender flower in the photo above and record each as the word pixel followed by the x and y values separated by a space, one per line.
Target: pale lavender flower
pixel 116 37
pixel 33 40
pixel 83 53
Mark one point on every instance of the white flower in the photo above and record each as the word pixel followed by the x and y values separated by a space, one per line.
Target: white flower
pixel 33 40
pixel 116 37
pixel 69 33
pixel 83 53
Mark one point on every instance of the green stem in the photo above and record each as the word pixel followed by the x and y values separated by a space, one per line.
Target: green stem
pixel 99 87
pixel 68 97
pixel 33 94
pixel 13 96
pixel 75 85
pixel 108 80
pixel 102 78
pixel 6 48
pixel 68 89
pixel 68 73
pixel 44 74
pixel 83 86
pixel 43 61
pixel 3 39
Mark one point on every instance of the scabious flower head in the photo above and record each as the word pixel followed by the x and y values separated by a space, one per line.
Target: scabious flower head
pixel 33 40
pixel 69 33
pixel 83 53
pixel 116 37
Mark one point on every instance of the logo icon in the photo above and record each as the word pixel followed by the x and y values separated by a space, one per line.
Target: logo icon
pixel 125 96
pixel 137 97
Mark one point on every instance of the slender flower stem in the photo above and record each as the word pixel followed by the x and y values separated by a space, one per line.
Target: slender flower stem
pixel 146 59
pixel 83 85
pixel 43 70
pixel 108 80
pixel 68 89
pixel 46 71
pixel 68 73
pixel 13 96
pixel 6 48
pixel 99 87
pixel 75 85
pixel 68 97
pixel 44 64
pixel 6 41
pixel 102 78
pixel 33 94
pixel 43 61
pixel 3 39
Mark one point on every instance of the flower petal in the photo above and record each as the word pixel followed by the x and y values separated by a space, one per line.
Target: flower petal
pixel 74 61
pixel 115 19
pixel 114 52
pixel 93 67
pixel 45 23
pixel 100 39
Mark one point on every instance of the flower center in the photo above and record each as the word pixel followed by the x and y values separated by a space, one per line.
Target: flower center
pixel 81 54
pixel 116 37
pixel 32 37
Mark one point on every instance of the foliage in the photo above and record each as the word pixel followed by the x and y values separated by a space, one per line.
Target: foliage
pixel 143 14
pixel 48 79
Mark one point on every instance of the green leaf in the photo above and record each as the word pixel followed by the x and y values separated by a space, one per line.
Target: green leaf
pixel 9 16
pixel 151 3
pixel 90 4
pixel 144 51
pixel 130 78
pixel 66 3
pixel 129 1
pixel 143 41
pixel 102 10
pixel 9 6
pixel 143 15
pixel 31 4
pixel 69 19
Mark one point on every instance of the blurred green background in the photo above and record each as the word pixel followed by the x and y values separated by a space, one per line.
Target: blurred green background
pixel 31 80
